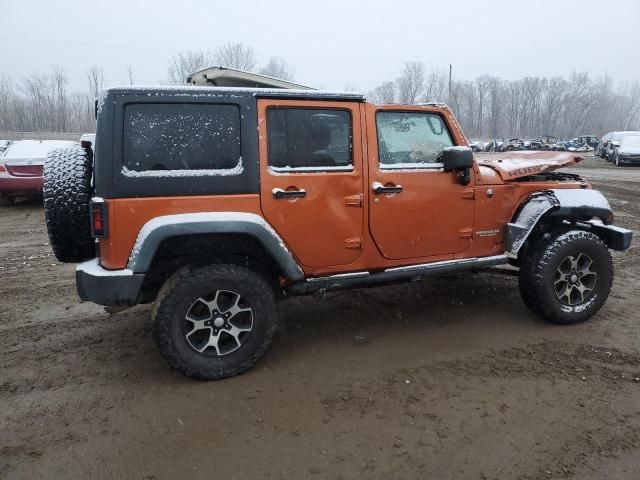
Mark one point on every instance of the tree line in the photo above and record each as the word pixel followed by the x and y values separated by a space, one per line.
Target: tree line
pixel 490 107
pixel 487 106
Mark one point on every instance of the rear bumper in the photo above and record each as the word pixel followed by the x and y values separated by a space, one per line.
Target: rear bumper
pixel 20 185
pixel 108 287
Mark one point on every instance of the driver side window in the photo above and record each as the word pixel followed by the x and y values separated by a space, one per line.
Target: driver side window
pixel 411 140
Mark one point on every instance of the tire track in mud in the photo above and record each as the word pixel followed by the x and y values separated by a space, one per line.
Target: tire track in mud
pixel 490 386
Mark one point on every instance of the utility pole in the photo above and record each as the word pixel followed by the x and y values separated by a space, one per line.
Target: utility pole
pixel 450 74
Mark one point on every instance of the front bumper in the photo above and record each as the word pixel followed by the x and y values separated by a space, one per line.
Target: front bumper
pixel 20 185
pixel 634 160
pixel 108 287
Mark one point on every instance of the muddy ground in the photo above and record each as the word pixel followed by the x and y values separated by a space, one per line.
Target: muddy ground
pixel 449 378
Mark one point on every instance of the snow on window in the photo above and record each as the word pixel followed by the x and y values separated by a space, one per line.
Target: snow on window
pixel 221 172
pixel 411 139
pixel 179 140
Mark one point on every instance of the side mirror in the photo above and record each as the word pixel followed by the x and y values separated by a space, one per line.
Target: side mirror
pixel 458 159
pixel 615 143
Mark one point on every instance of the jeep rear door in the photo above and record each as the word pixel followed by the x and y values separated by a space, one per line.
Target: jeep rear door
pixel 416 208
pixel 311 185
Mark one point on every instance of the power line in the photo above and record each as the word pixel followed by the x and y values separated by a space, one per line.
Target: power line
pixel 289 57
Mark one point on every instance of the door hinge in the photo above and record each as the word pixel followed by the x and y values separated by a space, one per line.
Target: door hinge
pixel 469 193
pixel 466 233
pixel 353 243
pixel 353 200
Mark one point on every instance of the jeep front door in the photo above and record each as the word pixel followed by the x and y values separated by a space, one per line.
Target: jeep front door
pixel 416 208
pixel 311 185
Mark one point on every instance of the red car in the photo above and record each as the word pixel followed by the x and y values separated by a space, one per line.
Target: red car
pixel 21 168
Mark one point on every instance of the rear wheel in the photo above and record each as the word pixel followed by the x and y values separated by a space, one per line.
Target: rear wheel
pixel 215 321
pixel 566 278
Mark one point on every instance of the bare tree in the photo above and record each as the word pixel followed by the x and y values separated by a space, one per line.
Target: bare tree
pixel 60 88
pixel 95 77
pixel 496 89
pixel 385 93
pixel 183 64
pixel 411 82
pixel 277 67
pixel 436 86
pixel 482 85
pixel 235 55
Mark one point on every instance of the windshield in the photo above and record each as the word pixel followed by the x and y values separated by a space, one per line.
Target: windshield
pixel 411 138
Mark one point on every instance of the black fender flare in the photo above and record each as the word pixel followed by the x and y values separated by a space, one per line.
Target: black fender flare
pixel 159 229
pixel 573 204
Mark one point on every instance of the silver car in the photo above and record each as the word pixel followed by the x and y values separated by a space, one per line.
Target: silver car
pixel 613 145
pixel 628 151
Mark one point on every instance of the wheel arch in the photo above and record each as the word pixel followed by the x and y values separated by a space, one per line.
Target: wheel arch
pixel 578 207
pixel 168 242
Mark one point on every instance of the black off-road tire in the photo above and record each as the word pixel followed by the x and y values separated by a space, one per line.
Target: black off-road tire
pixel 539 271
pixel 177 297
pixel 67 192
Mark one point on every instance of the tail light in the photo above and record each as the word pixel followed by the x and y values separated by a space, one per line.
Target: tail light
pixel 3 169
pixel 99 218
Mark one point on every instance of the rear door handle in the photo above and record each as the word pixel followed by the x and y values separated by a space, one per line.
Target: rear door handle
pixel 378 188
pixel 279 193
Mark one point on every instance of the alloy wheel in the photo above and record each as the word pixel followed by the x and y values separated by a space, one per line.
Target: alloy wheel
pixel 218 324
pixel 574 281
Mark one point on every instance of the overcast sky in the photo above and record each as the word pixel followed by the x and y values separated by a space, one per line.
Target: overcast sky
pixel 330 43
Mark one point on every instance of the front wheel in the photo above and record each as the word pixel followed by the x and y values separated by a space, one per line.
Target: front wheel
pixel 215 321
pixel 567 278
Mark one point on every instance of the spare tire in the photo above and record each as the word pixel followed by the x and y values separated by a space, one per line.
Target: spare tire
pixel 67 192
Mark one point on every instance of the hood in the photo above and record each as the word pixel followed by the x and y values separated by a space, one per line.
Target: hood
pixel 512 165
pixel 631 150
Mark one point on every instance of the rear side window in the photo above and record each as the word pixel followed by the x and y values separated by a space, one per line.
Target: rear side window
pixel 181 140
pixel 411 139
pixel 309 139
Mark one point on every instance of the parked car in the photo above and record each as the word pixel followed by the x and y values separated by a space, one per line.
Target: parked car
pixel 494 146
pixel 21 168
pixel 214 204
pixel 601 148
pixel 615 143
pixel 476 145
pixel 628 151
pixel 577 145
pixel 590 140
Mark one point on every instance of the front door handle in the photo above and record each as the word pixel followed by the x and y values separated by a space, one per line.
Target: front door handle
pixel 279 193
pixel 378 188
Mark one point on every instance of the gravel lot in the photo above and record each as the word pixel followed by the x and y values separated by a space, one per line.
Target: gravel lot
pixel 448 378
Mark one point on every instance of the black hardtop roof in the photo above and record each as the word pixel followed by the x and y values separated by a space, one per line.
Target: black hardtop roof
pixel 193 91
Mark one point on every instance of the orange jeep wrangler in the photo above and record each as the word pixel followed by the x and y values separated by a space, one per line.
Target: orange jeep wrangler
pixel 213 203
